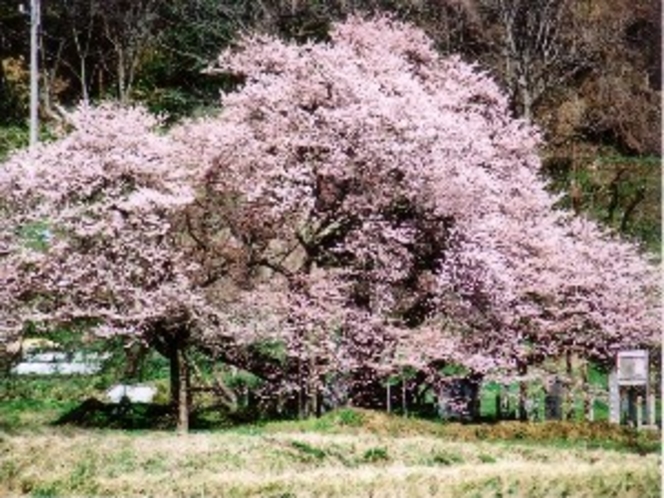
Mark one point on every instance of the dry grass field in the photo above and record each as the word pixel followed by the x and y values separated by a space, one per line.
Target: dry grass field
pixel 359 454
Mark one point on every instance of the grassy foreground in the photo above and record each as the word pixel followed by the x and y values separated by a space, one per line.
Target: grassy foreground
pixel 346 454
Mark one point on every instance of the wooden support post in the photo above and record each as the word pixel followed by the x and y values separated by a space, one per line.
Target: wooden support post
pixel 404 405
pixel 568 410
pixel 588 399
pixel 614 398
pixel 507 406
pixel 522 414
pixel 652 410
pixel 388 397
pixel 639 411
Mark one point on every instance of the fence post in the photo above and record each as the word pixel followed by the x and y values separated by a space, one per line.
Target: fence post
pixel 590 415
pixel 614 398
pixel 404 403
pixel 553 401
pixel 388 397
pixel 652 410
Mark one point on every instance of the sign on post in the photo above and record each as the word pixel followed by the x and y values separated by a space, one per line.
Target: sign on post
pixel 633 368
pixel 625 385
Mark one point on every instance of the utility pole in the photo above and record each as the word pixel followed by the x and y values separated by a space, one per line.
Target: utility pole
pixel 35 21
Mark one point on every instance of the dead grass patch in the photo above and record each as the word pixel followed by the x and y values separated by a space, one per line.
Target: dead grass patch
pixel 60 462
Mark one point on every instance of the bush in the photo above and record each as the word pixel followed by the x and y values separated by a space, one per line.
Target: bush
pixel 12 138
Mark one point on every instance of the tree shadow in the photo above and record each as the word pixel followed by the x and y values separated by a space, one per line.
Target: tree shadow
pixel 95 414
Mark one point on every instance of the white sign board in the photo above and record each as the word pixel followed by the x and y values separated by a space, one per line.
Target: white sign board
pixel 136 394
pixel 59 363
pixel 632 368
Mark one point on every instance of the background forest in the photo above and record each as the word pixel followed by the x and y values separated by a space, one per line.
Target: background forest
pixel 587 72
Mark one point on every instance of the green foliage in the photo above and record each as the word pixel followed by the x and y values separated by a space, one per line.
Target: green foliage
pixel 570 433
pixel 446 458
pixel 621 191
pixel 308 451
pixel 52 388
pixel 271 349
pixel 452 370
pixel 349 418
pixel 20 414
pixel 597 375
pixel 12 138
pixel 171 80
pixel 590 434
pixel 378 454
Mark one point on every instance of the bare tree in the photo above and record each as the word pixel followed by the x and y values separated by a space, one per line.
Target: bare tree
pixel 540 47
pixel 81 15
pixel 131 28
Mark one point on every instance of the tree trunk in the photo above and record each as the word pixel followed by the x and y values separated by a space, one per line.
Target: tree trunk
pixel 312 409
pixel 523 392
pixel 587 396
pixel 180 387
pixel 300 391
pixel 569 394
pixel 526 99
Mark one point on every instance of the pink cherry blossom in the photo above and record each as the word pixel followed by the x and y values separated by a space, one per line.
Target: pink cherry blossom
pixel 365 203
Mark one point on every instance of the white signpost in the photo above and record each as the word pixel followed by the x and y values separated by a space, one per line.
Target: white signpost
pixel 631 373
pixel 633 368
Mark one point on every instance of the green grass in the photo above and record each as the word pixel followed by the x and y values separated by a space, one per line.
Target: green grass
pixel 28 413
pixel 35 403
pixel 58 439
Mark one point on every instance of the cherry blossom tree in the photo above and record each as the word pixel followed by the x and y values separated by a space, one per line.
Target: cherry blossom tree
pixel 92 234
pixel 363 205
pixel 104 230
pixel 402 176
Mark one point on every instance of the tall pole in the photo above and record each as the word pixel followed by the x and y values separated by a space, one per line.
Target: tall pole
pixel 35 19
